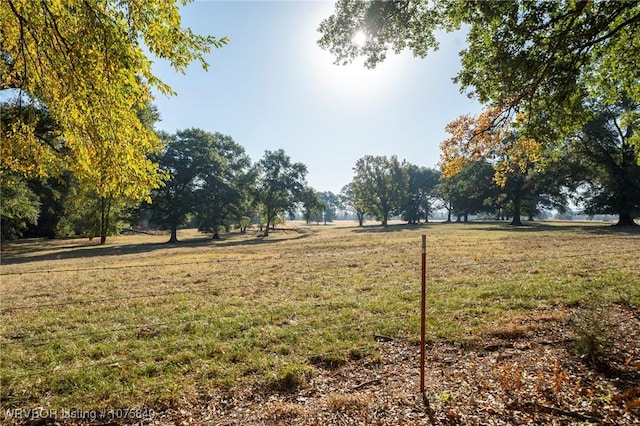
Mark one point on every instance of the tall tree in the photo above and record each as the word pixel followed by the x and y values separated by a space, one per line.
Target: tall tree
pixel 422 181
pixel 279 185
pixel 473 186
pixel 353 200
pixel 516 159
pixel 221 200
pixel 382 183
pixel 313 206
pixel 90 215
pixel 199 174
pixel 542 57
pixel 86 61
pixel 331 205
pixel 607 162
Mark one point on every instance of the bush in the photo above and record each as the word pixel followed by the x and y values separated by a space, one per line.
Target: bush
pixel 594 332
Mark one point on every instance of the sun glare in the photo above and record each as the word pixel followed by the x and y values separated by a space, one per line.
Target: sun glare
pixel 360 38
pixel 349 85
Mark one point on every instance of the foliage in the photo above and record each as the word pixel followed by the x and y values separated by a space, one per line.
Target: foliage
pixel 206 174
pixel 52 193
pixel 19 206
pixel 382 184
pixel 31 156
pixel 28 166
pixel 602 158
pixel 280 184
pixel 85 61
pixel 224 197
pixel 313 206
pixel 422 181
pixel 516 159
pixel 539 58
pixel 353 200
pixel 468 190
pixel 594 332
pixel 89 215
pixel 332 203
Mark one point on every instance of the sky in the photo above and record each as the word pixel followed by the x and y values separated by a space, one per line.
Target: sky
pixel 272 87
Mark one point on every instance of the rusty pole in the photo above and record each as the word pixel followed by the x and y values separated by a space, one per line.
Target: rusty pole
pixel 423 303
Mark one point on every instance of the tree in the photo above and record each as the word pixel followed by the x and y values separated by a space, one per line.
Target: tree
pixel 204 171
pixel 90 215
pixel 184 159
pixel 52 194
pixel 607 163
pixel 85 61
pixel 382 183
pixel 351 199
pixel 279 185
pixel 25 170
pixel 467 191
pixel 19 207
pixel 515 159
pixel 331 204
pixel 313 205
pixel 540 57
pixel 222 198
pixel 473 186
pixel 422 180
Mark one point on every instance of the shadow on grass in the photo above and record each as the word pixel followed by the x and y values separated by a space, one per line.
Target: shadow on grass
pixel 396 227
pixel 593 228
pixel 25 251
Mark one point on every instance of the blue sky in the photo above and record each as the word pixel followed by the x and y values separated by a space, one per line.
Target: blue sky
pixel 271 87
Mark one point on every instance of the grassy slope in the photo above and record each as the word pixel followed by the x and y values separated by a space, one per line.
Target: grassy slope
pixel 139 323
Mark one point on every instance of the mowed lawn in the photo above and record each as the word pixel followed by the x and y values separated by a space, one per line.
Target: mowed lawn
pixel 140 323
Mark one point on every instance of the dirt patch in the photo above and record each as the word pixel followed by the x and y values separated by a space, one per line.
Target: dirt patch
pixel 523 372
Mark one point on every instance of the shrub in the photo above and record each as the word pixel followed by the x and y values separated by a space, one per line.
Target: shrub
pixel 594 332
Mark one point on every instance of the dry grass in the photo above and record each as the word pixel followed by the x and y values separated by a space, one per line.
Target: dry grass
pixel 141 323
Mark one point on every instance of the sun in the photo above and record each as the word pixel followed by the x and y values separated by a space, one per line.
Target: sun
pixel 360 38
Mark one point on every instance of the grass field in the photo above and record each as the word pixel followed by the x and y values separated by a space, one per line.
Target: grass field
pixel 139 323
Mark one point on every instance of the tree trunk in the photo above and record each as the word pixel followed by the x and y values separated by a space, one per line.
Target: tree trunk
pixel 105 207
pixel 216 236
pixel 625 219
pixel 174 234
pixel 517 201
pixel 266 227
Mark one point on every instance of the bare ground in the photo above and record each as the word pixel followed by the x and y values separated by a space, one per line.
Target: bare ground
pixel 523 372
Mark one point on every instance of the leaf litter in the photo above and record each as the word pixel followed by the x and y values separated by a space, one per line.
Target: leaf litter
pixel 525 372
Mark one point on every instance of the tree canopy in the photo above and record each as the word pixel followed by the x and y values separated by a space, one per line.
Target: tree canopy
pixel 280 184
pixel 540 58
pixel 603 160
pixel 382 183
pixel 205 178
pixel 85 62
